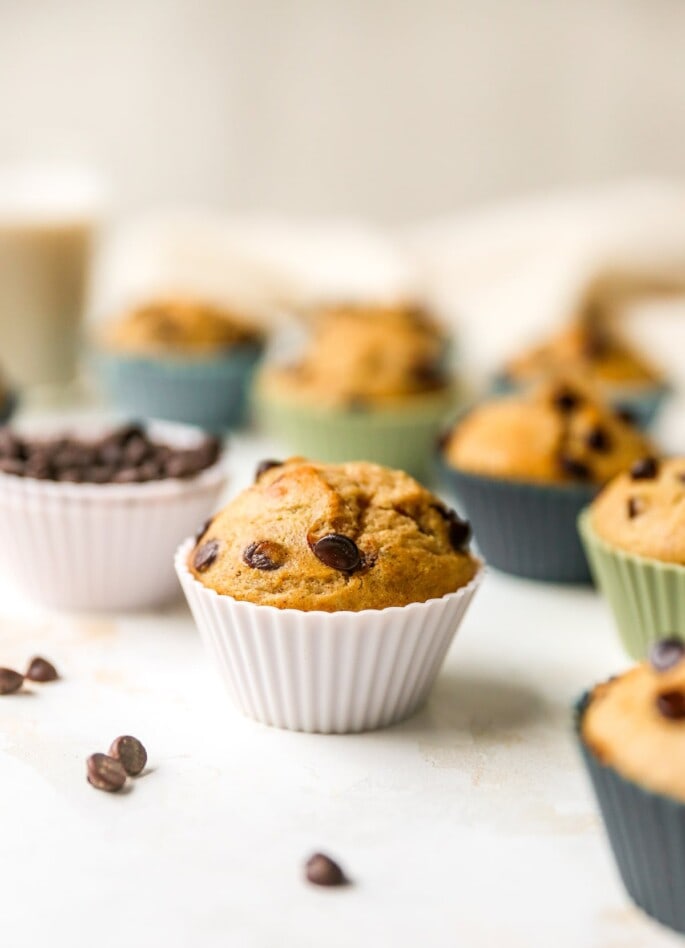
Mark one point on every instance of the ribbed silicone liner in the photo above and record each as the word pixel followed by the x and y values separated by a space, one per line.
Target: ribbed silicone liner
pixel 325 672
pixel 525 528
pixel 211 393
pixel 92 547
pixel 647 597
pixel 647 836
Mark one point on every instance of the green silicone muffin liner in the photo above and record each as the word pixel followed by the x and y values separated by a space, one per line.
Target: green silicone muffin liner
pixel 646 832
pixel 398 438
pixel 647 597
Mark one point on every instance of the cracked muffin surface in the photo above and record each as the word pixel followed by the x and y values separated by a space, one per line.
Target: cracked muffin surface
pixel 180 326
pixel 364 357
pixel 334 537
pixel 560 432
pixel 643 510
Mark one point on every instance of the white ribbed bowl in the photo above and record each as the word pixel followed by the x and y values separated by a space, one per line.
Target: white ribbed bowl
pixel 93 547
pixel 327 672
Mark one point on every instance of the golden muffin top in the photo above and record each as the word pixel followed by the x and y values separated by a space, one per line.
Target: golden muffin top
pixel 591 347
pixel 636 723
pixel 364 356
pixel 642 511
pixel 559 432
pixel 334 537
pixel 180 326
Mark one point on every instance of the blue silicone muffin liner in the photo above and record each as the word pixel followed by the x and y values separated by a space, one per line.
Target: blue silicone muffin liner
pixel 642 403
pixel 646 833
pixel 211 393
pixel 525 528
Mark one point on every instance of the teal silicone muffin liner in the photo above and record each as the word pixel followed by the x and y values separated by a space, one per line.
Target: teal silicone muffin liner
pixel 399 438
pixel 646 832
pixel 646 596
pixel 211 393
pixel 525 528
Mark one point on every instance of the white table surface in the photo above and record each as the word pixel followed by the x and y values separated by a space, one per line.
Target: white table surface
pixel 471 824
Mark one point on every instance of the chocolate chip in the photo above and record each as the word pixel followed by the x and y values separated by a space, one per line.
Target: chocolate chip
pixel 671 704
pixel 131 754
pixel 322 870
pixel 10 681
pixel 646 469
pixel 626 415
pixel 265 466
pixel 460 534
pixel 41 670
pixel 666 653
pixel 265 555
pixel 578 470
pixel 338 552
pixel 205 555
pixel 635 507
pixel 136 450
pixel 599 439
pixel 566 400
pixel 105 773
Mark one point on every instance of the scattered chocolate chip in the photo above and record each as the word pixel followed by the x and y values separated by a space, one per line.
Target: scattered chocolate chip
pixel 130 753
pixel 578 470
pixel 566 400
pixel 671 704
pixel 338 552
pixel 205 555
pixel 646 469
pixel 599 439
pixel 635 507
pixel 105 773
pixel 41 670
pixel 626 415
pixel 10 681
pixel 265 555
pixel 265 466
pixel 322 870
pixel 666 653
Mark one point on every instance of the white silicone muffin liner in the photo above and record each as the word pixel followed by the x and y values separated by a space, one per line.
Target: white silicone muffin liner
pixel 102 547
pixel 327 672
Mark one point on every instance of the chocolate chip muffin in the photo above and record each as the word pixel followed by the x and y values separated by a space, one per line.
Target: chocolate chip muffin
pixel 364 357
pixel 559 433
pixel 635 722
pixel 167 326
pixel 354 536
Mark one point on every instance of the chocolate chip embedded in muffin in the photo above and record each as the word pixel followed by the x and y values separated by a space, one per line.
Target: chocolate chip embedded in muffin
pixel 335 537
pixel 599 439
pixel 205 555
pixel 644 469
pixel 671 704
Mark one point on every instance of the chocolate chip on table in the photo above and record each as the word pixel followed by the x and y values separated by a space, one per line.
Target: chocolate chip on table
pixel 264 555
pixel 338 552
pixel 566 400
pixel 130 753
pixel 666 653
pixel 41 670
pixel 265 466
pixel 10 681
pixel 599 439
pixel 671 704
pixel 105 773
pixel 578 470
pixel 322 870
pixel 646 469
pixel 635 507
pixel 205 555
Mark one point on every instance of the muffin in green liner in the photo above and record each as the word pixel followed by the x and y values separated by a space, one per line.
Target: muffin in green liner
pixel 371 384
pixel 630 730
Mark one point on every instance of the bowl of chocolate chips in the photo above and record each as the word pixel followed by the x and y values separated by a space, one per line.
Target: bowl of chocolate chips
pixel 90 517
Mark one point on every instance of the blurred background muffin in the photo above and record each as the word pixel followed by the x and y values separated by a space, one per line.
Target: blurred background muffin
pixel 373 383
pixel 180 359
pixel 524 465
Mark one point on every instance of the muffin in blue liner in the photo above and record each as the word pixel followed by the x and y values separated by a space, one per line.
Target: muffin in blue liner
pixel 527 529
pixel 210 392
pixel 646 832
